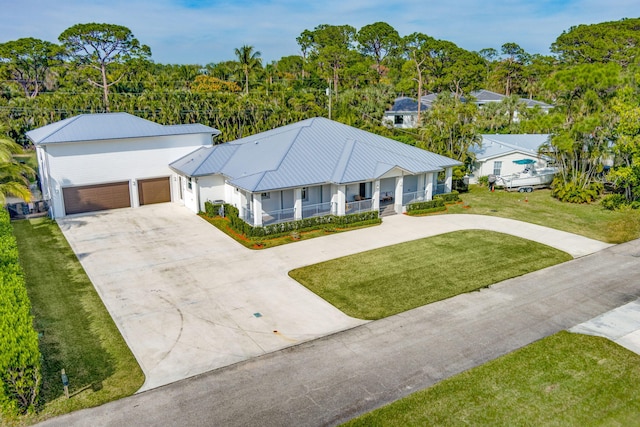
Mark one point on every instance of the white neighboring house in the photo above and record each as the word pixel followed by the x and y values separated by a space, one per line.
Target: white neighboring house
pixel 497 153
pixel 103 161
pixel 311 168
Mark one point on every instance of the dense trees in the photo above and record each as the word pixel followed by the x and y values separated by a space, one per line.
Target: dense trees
pixel 592 67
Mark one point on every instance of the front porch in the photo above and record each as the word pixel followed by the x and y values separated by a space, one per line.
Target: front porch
pixel 388 195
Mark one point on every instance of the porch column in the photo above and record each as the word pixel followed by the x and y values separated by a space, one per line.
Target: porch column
pixel 375 197
pixel 398 194
pixel 257 209
pixel 428 186
pixel 341 199
pixel 448 182
pixel 297 203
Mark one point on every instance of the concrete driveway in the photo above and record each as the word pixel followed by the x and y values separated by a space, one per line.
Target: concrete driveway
pixel 189 299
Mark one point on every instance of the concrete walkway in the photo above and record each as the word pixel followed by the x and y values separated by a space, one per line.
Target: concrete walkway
pixel 188 299
pixel 332 379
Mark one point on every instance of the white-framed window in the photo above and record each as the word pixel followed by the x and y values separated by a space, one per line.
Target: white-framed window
pixel 497 167
pixel 265 196
pixel 398 120
pixel 189 183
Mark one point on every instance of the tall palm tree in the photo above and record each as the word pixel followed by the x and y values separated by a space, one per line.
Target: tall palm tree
pixel 249 60
pixel 14 175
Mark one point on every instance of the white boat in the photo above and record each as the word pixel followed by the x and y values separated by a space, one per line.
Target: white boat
pixel 528 179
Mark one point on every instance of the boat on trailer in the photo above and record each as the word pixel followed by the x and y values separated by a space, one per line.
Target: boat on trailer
pixel 529 179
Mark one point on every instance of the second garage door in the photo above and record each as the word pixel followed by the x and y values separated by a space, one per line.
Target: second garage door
pixel 98 197
pixel 156 190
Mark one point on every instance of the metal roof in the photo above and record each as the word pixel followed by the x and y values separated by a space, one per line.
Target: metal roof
pixel 498 145
pixel 310 152
pixel 105 126
pixel 406 104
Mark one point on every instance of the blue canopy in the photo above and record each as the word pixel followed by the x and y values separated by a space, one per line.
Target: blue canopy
pixel 524 162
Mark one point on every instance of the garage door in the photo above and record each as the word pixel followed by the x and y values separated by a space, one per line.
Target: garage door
pixel 89 198
pixel 156 190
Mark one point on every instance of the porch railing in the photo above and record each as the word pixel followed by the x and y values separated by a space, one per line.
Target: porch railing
pixel 416 196
pixel 358 207
pixel 275 217
pixel 318 209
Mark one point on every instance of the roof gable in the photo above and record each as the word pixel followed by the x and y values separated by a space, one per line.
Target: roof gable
pixel 107 126
pixel 498 145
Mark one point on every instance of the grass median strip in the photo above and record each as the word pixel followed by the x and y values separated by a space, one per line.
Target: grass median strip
pixel 393 279
pixel 77 332
pixel 564 379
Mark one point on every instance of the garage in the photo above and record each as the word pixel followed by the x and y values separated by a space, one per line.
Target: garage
pixel 155 190
pixel 98 197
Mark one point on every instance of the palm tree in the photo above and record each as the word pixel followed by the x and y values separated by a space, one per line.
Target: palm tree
pixel 249 60
pixel 14 175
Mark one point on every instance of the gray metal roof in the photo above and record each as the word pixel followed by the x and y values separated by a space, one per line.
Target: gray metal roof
pixel 498 145
pixel 105 126
pixel 406 104
pixel 310 152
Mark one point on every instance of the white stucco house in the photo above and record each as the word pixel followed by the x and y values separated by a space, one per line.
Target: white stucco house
pixel 103 161
pixel 313 167
pixel 497 154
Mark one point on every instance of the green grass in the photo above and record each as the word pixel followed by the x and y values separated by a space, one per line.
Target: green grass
pixel 77 332
pixel 590 220
pixel 564 379
pixel 393 279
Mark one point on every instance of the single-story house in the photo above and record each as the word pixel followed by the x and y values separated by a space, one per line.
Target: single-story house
pixel 497 154
pixel 404 112
pixel 313 167
pixel 103 161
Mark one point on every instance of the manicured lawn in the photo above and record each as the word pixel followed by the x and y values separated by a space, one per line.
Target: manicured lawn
pixel 77 332
pixel 590 220
pixel 564 379
pixel 390 280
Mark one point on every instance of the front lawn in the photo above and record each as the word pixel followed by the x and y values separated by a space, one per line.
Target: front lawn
pixel 77 332
pixel 590 220
pixel 564 379
pixel 393 279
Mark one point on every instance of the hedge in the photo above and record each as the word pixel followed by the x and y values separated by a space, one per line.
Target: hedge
pixel 19 354
pixel 452 197
pixel 430 205
pixel 275 230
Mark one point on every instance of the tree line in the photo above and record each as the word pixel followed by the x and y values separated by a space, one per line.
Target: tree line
pixel 590 78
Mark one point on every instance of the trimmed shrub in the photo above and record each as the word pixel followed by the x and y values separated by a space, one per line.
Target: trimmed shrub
pixel 421 206
pixel 452 197
pixel 613 201
pixel 19 353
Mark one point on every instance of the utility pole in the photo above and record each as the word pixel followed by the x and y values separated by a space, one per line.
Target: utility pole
pixel 328 92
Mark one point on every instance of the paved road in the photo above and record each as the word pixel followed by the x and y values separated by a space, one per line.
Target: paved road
pixel 332 379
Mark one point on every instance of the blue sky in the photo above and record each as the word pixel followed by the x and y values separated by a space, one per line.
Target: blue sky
pixel 206 31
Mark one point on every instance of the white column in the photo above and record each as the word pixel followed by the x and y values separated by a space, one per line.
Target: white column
pixel 297 203
pixel 257 209
pixel 375 197
pixel 398 194
pixel 428 186
pixel 341 199
pixel 448 182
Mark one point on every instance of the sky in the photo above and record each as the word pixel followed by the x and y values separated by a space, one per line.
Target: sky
pixel 208 31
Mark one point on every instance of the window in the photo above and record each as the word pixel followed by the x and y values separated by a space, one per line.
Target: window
pixel 265 196
pixel 497 167
pixel 305 194
pixel 398 120
pixel 189 183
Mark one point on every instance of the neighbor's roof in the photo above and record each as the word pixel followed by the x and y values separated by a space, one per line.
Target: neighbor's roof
pixel 104 126
pixel 405 104
pixel 498 145
pixel 483 96
pixel 311 152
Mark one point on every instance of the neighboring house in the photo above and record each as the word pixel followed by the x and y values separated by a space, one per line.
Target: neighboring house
pixel 404 112
pixel 310 168
pixel 103 161
pixel 497 153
